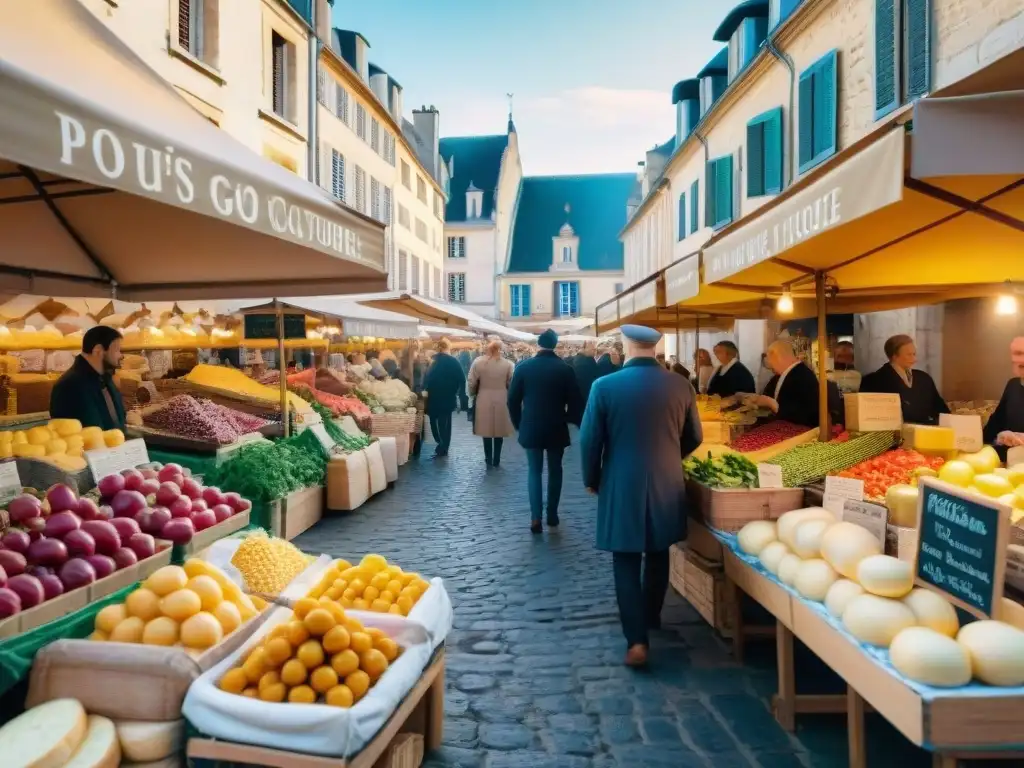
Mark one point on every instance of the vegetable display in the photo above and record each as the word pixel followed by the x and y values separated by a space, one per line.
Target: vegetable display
pixel 346 441
pixel 60 442
pixel 813 461
pixel 373 585
pixel 200 419
pixel 895 467
pixel 728 471
pixel 338 405
pixel 235 381
pixel 766 435
pixel 266 471
pixel 268 564
pixel 390 394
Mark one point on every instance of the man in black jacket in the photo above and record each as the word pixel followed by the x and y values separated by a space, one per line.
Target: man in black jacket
pixel 792 393
pixel 585 367
pixel 86 391
pixel 731 376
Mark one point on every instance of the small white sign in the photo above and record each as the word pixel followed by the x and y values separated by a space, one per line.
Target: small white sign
pixel 326 441
pixel 10 480
pixel 769 476
pixel 967 429
pixel 109 461
pixel 1015 456
pixel 872 517
pixel 838 490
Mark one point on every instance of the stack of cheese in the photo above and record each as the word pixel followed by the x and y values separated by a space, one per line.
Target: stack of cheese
pixel 841 565
pixel 60 734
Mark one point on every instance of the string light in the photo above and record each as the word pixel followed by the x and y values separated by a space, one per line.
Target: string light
pixel 785 304
pixel 1006 304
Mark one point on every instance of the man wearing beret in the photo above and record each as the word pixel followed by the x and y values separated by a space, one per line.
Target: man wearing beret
pixel 640 423
pixel 543 399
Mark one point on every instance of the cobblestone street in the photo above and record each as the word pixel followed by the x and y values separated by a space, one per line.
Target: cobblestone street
pixel 534 663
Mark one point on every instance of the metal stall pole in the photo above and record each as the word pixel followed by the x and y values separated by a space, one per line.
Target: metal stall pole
pixel 824 431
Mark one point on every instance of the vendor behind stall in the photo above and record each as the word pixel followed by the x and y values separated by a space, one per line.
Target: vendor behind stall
pixel 919 397
pixel 792 393
pixel 1005 428
pixel 86 391
pixel 731 377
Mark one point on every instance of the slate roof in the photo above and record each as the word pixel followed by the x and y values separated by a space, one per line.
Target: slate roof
pixel 745 10
pixel 597 212
pixel 719 64
pixel 477 161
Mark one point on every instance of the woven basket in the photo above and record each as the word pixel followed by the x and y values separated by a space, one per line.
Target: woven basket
pixel 419 422
pixel 392 424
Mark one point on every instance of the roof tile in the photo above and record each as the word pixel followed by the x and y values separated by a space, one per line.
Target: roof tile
pixel 477 161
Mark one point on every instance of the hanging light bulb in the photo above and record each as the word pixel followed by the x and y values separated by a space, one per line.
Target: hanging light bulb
pixel 1006 304
pixel 785 304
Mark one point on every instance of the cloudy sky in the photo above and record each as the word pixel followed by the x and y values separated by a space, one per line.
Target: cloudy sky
pixel 591 79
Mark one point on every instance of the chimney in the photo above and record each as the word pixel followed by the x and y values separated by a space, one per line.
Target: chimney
pixel 323 20
pixel 379 83
pixel 362 58
pixel 427 122
pixel 396 102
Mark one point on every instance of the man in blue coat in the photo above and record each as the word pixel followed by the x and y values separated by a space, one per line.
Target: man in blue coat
pixel 640 423
pixel 443 383
pixel 543 399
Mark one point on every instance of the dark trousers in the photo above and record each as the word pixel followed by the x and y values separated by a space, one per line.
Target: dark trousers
pixel 492 449
pixel 441 429
pixel 535 468
pixel 640 598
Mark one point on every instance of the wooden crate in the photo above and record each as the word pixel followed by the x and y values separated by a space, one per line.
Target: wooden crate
pixel 729 509
pixel 415 727
pixel 702 583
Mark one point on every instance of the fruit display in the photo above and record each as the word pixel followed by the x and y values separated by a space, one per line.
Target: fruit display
pixel 60 442
pixel 61 543
pixel 873 596
pixel 268 564
pixel 766 435
pixel 194 606
pixel 895 467
pixel 167 503
pixel 730 470
pixel 263 471
pixel 233 381
pixel 813 461
pixel 373 585
pixel 338 405
pixel 203 420
pixel 319 656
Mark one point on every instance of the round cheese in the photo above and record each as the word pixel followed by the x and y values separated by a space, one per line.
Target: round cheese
pixel 844 545
pixel 926 656
pixel 788 522
pixel 100 749
pixel 840 594
pixel 144 742
pixel 813 579
pixel 788 567
pixel 1012 613
pixel 755 536
pixel 45 736
pixel 772 555
pixel 996 650
pixel 807 536
pixel 934 611
pixel 885 576
pixel 876 620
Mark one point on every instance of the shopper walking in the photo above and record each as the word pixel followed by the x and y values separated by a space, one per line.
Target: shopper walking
pixel 543 399
pixel 584 365
pixel 489 379
pixel 638 427
pixel 443 382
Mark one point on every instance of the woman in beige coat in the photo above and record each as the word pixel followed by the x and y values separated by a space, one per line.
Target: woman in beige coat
pixel 489 377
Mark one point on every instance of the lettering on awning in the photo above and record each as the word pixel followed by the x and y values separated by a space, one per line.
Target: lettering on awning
pixel 682 280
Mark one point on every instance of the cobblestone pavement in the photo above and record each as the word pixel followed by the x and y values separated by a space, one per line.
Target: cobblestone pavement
pixel 534 663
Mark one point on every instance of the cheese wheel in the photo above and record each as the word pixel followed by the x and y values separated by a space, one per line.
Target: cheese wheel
pixel 926 656
pixel 813 579
pixel 1012 613
pixel 840 594
pixel 876 620
pixel 886 576
pixel 44 737
pixel 755 536
pixel 844 545
pixel 788 567
pixel 934 611
pixel 144 742
pixel 772 555
pixel 807 536
pixel 788 522
pixel 996 650
pixel 100 749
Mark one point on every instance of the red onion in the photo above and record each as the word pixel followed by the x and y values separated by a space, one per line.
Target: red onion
pixel 104 534
pixel 52 586
pixel 24 507
pixel 28 588
pixel 61 498
pixel 125 558
pixel 132 479
pixel 111 485
pixel 205 519
pixel 13 563
pixel 80 544
pixel 142 544
pixel 180 530
pixel 49 552
pixel 16 541
pixel 10 603
pixel 103 565
pixel 128 503
pixel 76 573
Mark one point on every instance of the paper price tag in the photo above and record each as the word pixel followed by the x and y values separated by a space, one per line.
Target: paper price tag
pixel 326 441
pixel 109 461
pixel 769 476
pixel 872 517
pixel 966 428
pixel 838 490
pixel 10 480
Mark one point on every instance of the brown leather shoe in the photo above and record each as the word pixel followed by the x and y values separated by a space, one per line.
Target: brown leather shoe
pixel 636 656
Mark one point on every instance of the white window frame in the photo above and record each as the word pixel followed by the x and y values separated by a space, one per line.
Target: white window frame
pixel 457 287
pixel 457 247
pixel 338 175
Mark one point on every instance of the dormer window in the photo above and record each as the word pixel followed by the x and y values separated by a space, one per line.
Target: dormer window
pixel 565 247
pixel 474 202
pixel 567 254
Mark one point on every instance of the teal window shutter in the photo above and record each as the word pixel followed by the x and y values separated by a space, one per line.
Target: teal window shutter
pixel 819 111
pixel 773 152
pixel 887 87
pixel 805 119
pixel 524 300
pixel 723 191
pixel 682 215
pixel 918 47
pixel 755 30
pixel 755 157
pixel 694 206
pixel 709 194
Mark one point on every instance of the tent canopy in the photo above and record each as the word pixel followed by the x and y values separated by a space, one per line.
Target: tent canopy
pixel 111 184
pixel 354 319
pixel 440 312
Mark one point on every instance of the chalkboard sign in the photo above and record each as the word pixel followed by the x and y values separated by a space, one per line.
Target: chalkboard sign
pixel 961 546
pixel 264 326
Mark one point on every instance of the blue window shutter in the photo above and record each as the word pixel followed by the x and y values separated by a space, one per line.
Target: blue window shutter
pixel 524 300
pixel 723 191
pixel 512 299
pixel 805 119
pixel 709 194
pixel 682 215
pixel 694 206
pixel 755 30
pixel 773 152
pixel 887 88
pixel 755 157
pixel 826 107
pixel 918 47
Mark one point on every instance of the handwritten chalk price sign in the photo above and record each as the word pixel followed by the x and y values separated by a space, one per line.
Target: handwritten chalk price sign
pixel 961 546
pixel 110 461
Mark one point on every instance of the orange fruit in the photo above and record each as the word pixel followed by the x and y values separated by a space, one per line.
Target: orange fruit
pixel 274 692
pixel 371 593
pixel 394 609
pixel 252 693
pixel 323 679
pixel 293 672
pixel 353 624
pixel 337 639
pixel 142 603
pixel 360 642
pixel 297 633
pixel 349 594
pixel 387 596
pixel 357 586
pixel 380 606
pixel 319 621
pixel 359 683
pixel 388 647
pixel 281 630
pixel 310 653
pixel 269 678
pixel 255 666
pixel 345 663
pixel 303 606
pixel 208 589
pixel 277 651
pixel 380 580
pixel 359 604
pixel 342 564
pixel 375 633
pixel 302 694
pixel 234 681
pixel 337 611
pixel 405 603
pixel 340 696
pixel 394 586
pixel 373 663
pixel 333 593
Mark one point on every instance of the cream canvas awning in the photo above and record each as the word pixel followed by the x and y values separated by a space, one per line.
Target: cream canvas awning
pixel 110 181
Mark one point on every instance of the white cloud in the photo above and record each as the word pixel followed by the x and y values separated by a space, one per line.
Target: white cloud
pixel 581 130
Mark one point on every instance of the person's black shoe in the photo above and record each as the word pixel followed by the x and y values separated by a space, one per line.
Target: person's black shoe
pixel 536 527
pixel 553 521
